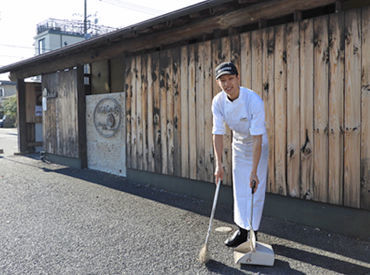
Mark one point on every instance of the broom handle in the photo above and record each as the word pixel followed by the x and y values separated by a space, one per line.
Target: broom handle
pixel 213 210
pixel 253 190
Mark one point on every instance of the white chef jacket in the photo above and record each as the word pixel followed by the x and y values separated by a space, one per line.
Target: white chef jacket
pixel 245 116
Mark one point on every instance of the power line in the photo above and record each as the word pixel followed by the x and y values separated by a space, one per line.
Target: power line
pixel 133 7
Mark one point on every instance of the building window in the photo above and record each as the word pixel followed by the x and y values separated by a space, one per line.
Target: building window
pixel 41 46
pixel 2 92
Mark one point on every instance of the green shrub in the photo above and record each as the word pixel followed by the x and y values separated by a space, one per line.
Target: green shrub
pixel 9 108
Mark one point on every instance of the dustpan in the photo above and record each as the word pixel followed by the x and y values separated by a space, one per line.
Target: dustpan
pixel 251 251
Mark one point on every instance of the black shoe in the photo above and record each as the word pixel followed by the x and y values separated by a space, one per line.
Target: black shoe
pixel 240 236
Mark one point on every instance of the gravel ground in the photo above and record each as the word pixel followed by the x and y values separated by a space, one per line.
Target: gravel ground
pixel 59 220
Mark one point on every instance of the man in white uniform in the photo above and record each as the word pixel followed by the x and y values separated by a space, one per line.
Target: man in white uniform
pixel 243 111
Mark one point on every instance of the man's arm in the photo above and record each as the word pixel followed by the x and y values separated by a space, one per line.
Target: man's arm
pixel 257 148
pixel 218 147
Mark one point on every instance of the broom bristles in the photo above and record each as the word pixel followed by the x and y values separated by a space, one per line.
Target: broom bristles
pixel 203 254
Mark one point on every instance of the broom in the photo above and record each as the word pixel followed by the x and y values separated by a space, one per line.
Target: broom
pixel 203 254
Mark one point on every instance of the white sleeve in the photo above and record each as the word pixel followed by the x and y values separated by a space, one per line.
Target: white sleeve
pixel 257 126
pixel 218 119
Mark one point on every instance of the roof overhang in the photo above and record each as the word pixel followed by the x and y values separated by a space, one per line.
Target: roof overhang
pixel 196 21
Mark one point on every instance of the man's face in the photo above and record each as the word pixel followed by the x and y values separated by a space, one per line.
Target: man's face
pixel 230 84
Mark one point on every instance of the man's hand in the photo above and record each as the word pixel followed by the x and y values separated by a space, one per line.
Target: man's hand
pixel 254 178
pixel 219 173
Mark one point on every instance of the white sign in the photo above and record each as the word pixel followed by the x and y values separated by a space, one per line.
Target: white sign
pixel 44 104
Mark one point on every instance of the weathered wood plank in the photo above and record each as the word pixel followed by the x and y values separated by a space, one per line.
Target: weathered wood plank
pixel 257 49
pixel 192 114
pixel 134 162
pixel 280 111
pixel 150 117
pixel 199 105
pixel 269 101
pixel 155 73
pixel 235 48
pixel 227 153
pixel 81 116
pixel 293 153
pixel 21 115
pixel 352 112
pixel 246 60
pixel 163 64
pixel 66 114
pixel 128 90
pixel 100 77
pixel 336 89
pixel 216 49
pixel 176 80
pixel 117 71
pixel 321 97
pixel 306 103
pixel 170 110
pixel 184 113
pixel 208 86
pixel 216 60
pixel 365 111
pixel 139 117
pixel 144 111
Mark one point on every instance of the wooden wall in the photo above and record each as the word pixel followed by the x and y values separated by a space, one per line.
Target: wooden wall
pixel 313 76
pixel 60 120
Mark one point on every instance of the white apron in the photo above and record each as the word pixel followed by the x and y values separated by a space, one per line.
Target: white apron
pixel 236 117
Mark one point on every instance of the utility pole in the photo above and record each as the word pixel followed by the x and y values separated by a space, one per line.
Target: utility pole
pixel 85 18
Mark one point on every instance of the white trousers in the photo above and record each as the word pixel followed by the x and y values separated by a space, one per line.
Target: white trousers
pixel 242 166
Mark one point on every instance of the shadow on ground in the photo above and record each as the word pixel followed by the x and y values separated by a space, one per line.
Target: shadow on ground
pixel 282 229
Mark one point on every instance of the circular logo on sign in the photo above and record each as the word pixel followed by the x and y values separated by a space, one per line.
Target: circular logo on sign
pixel 107 117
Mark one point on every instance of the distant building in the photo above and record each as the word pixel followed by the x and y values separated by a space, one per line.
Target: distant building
pixel 56 33
pixel 7 88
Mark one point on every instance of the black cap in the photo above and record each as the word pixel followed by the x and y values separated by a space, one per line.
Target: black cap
pixel 225 68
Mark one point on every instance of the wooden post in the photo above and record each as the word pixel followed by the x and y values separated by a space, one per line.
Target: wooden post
pixel 139 116
pixel 184 91
pixel 336 89
pixel 133 114
pixel 280 111
pixel 192 116
pixel 156 113
pixel 293 153
pixel 208 85
pixel 365 115
pixel 321 96
pixel 176 82
pixel 268 98
pixel 81 117
pixel 227 158
pixel 144 111
pixel 170 111
pixel 199 106
pixel 352 110
pixel 21 116
pixel 306 103
pixel 128 90
pixel 150 138
pixel 257 49
pixel 163 63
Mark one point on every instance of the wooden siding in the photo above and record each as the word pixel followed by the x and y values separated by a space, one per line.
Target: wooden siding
pixel 60 125
pixel 313 76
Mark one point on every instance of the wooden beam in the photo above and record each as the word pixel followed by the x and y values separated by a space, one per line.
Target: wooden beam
pixel 81 117
pixel 105 49
pixel 21 116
